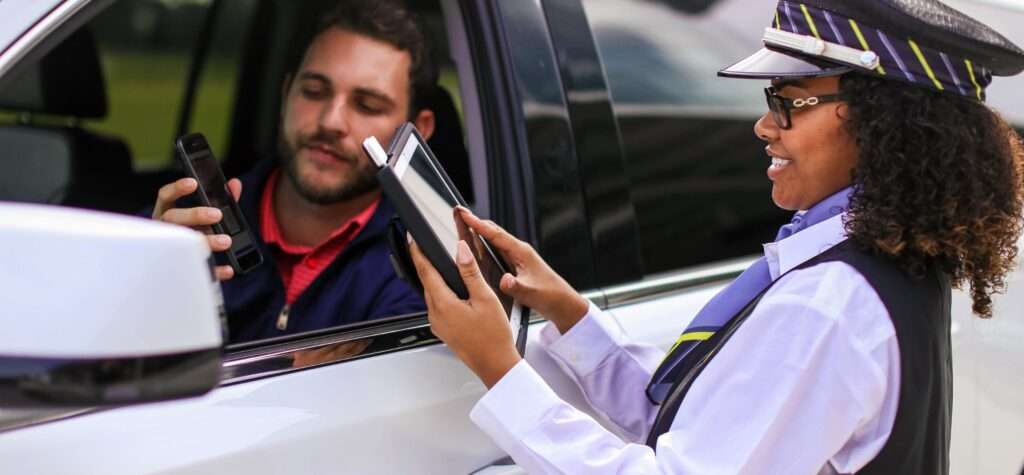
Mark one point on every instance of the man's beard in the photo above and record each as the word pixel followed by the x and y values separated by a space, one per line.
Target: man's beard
pixel 362 181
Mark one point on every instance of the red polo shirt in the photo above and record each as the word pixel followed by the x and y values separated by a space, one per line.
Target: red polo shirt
pixel 300 265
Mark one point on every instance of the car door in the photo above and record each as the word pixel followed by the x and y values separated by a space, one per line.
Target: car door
pixel 380 397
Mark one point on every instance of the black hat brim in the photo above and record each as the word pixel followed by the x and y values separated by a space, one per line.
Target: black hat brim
pixel 770 64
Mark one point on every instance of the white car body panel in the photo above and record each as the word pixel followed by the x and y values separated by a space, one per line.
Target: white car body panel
pixel 398 413
pixel 409 415
pixel 79 245
pixel 19 15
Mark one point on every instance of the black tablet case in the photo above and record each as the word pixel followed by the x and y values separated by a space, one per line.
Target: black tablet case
pixel 411 219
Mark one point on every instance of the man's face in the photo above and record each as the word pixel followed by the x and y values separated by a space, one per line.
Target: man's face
pixel 348 87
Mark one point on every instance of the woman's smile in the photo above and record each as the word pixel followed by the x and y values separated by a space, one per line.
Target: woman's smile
pixel 778 163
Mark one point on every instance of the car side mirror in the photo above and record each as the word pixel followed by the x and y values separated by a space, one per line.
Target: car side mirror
pixel 101 309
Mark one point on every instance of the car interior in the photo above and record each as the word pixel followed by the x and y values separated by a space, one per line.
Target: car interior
pixel 91 123
pixel 50 112
pixel 61 161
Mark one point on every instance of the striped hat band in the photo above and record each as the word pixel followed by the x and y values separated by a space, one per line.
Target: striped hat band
pixel 819 33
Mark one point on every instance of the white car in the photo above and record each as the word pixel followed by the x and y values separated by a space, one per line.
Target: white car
pixel 596 129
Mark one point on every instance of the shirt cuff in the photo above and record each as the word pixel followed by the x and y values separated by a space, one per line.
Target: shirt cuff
pixel 587 344
pixel 504 411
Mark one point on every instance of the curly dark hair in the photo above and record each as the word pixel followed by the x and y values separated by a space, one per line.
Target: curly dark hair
pixel 939 182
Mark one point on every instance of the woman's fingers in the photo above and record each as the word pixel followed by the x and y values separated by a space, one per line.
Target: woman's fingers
pixel 513 287
pixel 506 243
pixel 470 272
pixel 433 284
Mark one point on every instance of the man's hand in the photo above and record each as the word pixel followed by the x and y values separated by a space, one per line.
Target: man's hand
pixel 198 218
pixel 535 284
pixel 476 330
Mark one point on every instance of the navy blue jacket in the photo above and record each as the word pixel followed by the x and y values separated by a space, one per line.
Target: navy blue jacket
pixel 359 285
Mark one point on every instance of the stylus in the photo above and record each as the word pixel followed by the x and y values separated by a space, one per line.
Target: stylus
pixel 375 151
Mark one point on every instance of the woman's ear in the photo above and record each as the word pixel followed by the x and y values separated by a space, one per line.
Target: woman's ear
pixel 843 111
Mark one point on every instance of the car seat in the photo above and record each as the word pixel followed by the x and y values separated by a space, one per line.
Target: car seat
pixel 55 160
pixel 447 142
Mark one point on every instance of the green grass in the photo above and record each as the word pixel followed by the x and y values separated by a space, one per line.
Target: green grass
pixel 144 93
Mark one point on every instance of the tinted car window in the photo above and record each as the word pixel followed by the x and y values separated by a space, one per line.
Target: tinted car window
pixel 697 171
pixel 146 49
pixel 90 120
pixel 98 113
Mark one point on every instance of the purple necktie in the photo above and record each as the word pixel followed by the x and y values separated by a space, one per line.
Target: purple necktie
pixel 731 300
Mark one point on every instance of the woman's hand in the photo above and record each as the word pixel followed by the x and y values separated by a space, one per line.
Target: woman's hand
pixel 535 284
pixel 477 329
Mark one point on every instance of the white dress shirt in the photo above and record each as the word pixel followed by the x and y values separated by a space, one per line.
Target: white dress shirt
pixel 808 384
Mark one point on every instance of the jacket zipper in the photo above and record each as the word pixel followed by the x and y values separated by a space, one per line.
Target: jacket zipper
pixel 282 318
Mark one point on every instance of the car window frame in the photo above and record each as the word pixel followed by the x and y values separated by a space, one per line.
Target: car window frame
pixel 257 359
pixel 264 358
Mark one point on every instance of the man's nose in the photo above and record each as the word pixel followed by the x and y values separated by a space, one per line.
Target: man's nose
pixel 334 117
pixel 766 129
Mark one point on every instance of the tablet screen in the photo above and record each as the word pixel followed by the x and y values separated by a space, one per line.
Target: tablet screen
pixel 436 200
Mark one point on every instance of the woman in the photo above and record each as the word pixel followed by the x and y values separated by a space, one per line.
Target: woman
pixel 830 354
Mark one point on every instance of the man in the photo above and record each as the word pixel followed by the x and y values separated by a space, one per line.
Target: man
pixel 318 211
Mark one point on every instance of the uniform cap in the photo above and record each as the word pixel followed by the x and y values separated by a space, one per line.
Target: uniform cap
pixel 921 42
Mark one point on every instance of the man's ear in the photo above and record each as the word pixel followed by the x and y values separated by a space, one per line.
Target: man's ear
pixel 425 122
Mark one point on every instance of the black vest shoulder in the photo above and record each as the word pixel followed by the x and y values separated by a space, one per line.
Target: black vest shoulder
pixel 920 313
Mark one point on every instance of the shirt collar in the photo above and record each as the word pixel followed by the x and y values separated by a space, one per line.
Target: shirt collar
pixel 271 230
pixel 784 255
pixel 799 247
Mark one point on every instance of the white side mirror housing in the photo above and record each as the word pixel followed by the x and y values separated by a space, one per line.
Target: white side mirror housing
pixel 102 309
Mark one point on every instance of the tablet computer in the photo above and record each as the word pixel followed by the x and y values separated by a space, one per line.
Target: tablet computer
pixel 425 200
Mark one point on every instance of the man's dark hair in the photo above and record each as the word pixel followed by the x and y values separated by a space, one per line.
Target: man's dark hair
pixel 392 22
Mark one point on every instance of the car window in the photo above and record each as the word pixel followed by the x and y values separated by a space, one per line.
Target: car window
pixel 146 49
pixel 101 109
pixel 92 117
pixel 211 106
pixel 696 170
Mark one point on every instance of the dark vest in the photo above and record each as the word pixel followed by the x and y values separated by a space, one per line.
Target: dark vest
pixel 920 313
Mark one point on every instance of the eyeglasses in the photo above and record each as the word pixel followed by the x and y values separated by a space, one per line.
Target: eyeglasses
pixel 781 107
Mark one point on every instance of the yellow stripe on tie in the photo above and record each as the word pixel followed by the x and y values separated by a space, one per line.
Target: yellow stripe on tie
pixel 970 71
pixel 691 336
pixel 778 21
pixel 810 21
pixel 924 62
pixel 864 44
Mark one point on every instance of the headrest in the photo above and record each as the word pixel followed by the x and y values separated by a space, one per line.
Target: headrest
pixel 68 81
